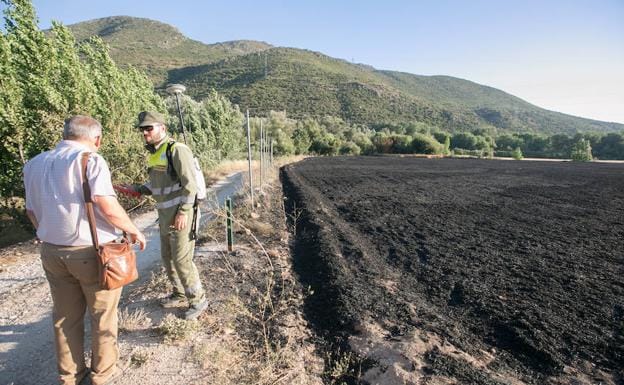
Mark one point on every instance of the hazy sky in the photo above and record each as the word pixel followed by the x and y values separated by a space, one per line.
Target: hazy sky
pixel 563 55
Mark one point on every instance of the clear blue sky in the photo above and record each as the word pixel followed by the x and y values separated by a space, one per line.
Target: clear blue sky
pixel 566 56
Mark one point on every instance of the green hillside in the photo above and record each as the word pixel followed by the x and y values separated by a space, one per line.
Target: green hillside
pixel 305 83
pixel 157 47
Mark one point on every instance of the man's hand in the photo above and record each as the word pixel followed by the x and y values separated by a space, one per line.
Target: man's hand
pixel 116 216
pixel 179 222
pixel 138 238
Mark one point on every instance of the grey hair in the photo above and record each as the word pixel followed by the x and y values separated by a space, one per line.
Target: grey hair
pixel 81 127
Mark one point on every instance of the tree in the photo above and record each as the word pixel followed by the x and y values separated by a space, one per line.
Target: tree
pixel 560 145
pixel 11 151
pixel 382 143
pixel 581 151
pixel 303 135
pixel 508 142
pixel 465 140
pixel 610 146
pixel 401 144
pixel 534 144
pixel 425 144
pixel 446 146
pixel 226 122
pixel 364 142
pixel 517 153
pixel 349 148
pixel 325 145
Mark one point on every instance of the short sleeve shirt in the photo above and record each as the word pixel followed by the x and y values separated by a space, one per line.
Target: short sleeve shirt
pixel 53 182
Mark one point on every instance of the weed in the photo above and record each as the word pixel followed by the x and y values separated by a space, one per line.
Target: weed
pixel 175 329
pixel 139 357
pixel 135 320
pixel 294 218
pixel 343 367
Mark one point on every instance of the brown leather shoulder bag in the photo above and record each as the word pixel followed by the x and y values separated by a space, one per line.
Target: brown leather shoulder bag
pixel 117 259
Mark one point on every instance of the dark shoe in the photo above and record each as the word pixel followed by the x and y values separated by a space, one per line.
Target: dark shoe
pixel 195 311
pixel 173 300
pixel 85 379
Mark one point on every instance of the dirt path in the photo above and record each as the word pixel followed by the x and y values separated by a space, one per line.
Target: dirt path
pixel 25 320
pixel 25 315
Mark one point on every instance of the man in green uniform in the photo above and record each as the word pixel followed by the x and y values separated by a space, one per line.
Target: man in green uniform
pixel 173 186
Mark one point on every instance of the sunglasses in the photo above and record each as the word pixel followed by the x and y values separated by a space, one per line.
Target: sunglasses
pixel 146 128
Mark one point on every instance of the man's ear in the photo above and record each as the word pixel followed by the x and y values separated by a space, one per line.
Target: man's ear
pixel 98 141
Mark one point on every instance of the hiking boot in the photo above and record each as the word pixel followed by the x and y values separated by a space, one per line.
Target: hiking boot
pixel 194 311
pixel 174 300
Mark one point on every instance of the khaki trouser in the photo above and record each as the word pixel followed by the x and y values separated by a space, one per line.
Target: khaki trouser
pixel 177 249
pixel 72 273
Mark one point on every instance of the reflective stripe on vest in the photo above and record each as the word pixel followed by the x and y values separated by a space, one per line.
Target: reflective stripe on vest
pixel 175 201
pixel 166 190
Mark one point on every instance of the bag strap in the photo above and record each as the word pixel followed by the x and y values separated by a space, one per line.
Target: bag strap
pixel 86 189
pixel 170 169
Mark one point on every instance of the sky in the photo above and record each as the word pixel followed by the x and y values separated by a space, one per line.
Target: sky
pixel 565 56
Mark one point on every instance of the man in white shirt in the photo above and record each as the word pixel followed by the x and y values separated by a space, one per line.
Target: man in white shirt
pixel 55 205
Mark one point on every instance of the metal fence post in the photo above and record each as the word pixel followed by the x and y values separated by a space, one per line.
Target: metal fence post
pixel 228 224
pixel 249 161
pixel 261 155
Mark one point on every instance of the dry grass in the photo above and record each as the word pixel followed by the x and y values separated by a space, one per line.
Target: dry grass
pixel 224 169
pixel 222 363
pixel 258 321
pixel 175 330
pixel 158 282
pixel 260 228
pixel 130 321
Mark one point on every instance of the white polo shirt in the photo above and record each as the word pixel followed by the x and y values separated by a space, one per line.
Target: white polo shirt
pixel 53 182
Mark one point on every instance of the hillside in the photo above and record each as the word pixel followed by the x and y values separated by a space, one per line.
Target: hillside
pixel 157 47
pixel 304 83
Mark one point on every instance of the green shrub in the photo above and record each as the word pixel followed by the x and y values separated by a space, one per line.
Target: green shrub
pixel 349 148
pixel 425 144
pixel 581 151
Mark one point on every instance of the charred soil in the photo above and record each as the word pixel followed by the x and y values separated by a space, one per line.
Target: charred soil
pixel 518 264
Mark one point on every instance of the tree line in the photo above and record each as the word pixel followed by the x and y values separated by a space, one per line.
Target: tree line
pixel 333 136
pixel 46 76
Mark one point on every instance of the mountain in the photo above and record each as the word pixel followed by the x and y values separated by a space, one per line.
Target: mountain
pixel 157 47
pixel 259 76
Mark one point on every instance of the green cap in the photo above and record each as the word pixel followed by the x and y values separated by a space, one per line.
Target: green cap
pixel 149 118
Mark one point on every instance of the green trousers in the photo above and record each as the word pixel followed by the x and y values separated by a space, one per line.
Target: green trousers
pixel 177 250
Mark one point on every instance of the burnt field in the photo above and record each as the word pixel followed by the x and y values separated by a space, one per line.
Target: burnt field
pixel 522 260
